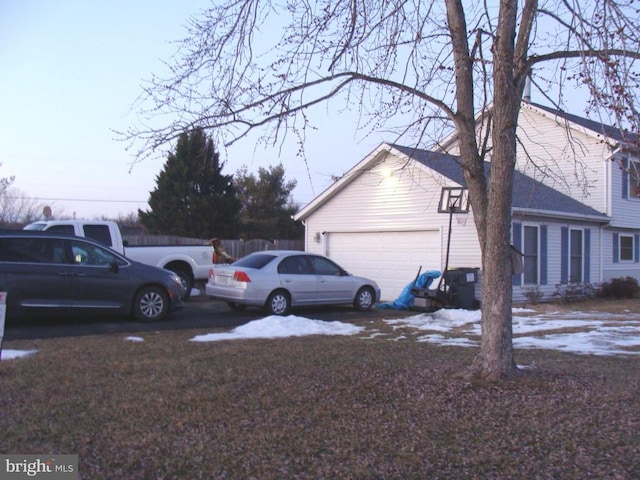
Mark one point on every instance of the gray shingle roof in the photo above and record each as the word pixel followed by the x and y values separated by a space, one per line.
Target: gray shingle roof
pixel 528 193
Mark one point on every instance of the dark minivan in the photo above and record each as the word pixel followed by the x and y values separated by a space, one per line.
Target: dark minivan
pixel 64 274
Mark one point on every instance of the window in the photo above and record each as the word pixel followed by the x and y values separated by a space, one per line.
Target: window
pixel 91 255
pixel 99 233
pixel 576 258
pixel 324 266
pixel 626 248
pixel 531 255
pixel 295 265
pixel 62 229
pixel 32 250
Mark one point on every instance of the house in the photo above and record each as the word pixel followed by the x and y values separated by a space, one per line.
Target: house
pixel 576 210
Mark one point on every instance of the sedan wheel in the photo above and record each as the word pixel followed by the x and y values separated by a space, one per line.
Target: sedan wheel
pixel 278 303
pixel 364 299
pixel 151 304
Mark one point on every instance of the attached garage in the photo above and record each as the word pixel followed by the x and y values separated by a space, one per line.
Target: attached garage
pixel 390 258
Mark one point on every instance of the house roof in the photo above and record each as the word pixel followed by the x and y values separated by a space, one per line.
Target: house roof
pixel 529 195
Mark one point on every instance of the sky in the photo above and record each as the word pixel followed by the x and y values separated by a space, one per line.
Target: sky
pixel 591 333
pixel 71 71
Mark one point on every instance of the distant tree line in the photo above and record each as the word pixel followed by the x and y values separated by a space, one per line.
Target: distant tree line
pixel 193 198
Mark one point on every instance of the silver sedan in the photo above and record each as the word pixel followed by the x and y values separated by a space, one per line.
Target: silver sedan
pixel 278 280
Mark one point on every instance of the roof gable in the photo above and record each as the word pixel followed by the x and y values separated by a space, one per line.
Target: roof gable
pixel 529 195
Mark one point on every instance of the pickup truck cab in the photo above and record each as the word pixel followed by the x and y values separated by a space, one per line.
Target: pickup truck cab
pixel 190 262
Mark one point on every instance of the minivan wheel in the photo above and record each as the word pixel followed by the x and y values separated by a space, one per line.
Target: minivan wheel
pixel 278 303
pixel 151 304
pixel 187 282
pixel 364 299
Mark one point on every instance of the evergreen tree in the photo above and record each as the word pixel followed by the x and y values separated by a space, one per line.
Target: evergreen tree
pixel 267 205
pixel 192 197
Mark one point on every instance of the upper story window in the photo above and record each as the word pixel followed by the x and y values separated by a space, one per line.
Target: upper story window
pixel 634 178
pixel 630 178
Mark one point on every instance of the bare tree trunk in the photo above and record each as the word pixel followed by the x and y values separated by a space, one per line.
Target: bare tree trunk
pixel 495 359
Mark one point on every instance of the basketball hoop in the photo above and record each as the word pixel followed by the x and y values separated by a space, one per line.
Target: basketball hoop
pixel 461 219
pixel 454 200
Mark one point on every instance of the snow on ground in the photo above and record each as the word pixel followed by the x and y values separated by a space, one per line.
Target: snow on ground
pixel 279 327
pixel 575 332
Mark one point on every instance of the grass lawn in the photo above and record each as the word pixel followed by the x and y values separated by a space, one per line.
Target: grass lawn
pixel 316 407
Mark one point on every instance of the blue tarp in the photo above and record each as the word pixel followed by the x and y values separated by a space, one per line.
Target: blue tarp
pixel 406 298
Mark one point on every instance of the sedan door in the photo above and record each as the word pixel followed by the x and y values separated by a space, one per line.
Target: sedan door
pixel 100 279
pixel 297 276
pixel 334 284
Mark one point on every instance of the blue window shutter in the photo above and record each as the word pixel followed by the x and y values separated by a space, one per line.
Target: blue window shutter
pixel 636 248
pixel 516 233
pixel 587 255
pixel 543 254
pixel 564 255
pixel 625 177
pixel 616 245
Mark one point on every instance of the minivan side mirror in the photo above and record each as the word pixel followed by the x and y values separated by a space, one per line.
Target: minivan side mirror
pixel 115 267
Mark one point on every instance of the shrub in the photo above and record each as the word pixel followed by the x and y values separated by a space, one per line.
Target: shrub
pixel 571 292
pixel 533 294
pixel 624 287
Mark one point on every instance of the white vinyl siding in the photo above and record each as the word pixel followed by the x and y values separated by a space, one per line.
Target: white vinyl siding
pixel 386 200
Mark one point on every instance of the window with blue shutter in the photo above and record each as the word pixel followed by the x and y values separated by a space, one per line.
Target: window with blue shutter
pixel 625 177
pixel 636 248
pixel 543 254
pixel 564 255
pixel 587 255
pixel 616 246
pixel 516 237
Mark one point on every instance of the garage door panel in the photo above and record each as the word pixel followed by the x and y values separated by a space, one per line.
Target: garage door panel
pixel 390 258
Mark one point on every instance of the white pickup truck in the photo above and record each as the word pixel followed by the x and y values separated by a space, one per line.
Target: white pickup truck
pixel 191 262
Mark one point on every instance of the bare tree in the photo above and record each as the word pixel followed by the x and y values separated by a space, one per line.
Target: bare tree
pixel 417 68
pixel 16 208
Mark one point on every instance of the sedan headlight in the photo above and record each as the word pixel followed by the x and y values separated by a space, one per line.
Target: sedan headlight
pixel 176 279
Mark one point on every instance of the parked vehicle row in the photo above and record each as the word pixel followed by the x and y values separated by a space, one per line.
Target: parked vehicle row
pixel 49 272
pixel 278 280
pixel 190 262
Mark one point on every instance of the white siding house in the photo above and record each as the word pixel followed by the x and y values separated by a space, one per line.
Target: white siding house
pixel 576 216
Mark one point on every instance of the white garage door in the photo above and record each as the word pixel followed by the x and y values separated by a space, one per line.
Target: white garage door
pixel 390 258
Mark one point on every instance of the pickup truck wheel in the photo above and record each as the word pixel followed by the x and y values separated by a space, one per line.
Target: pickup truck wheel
pixel 187 282
pixel 151 304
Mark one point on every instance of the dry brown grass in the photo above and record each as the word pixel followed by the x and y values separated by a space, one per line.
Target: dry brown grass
pixel 316 407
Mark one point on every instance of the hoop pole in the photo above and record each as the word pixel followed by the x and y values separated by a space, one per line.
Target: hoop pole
pixel 446 261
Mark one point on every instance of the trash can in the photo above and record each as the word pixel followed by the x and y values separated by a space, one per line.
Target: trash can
pixel 461 288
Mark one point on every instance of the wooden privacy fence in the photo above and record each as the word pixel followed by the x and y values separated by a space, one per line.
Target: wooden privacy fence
pixel 235 248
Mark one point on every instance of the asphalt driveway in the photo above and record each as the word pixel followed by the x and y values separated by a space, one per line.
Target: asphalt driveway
pixel 198 312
